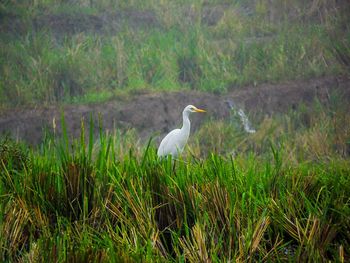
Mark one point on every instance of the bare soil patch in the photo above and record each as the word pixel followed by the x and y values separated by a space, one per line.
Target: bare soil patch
pixel 157 113
pixel 103 23
pixel 66 24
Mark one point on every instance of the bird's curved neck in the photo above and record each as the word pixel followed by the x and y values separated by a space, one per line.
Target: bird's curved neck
pixel 186 125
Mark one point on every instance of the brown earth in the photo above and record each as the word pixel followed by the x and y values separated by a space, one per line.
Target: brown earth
pixel 157 113
pixel 65 24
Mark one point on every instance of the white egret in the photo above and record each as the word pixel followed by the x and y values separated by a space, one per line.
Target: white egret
pixel 175 141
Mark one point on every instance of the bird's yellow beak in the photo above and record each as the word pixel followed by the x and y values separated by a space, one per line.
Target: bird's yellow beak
pixel 199 110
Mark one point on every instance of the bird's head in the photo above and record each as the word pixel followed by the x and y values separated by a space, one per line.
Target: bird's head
pixel 191 108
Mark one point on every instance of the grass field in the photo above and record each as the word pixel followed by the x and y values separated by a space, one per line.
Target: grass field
pixel 283 196
pixel 278 195
pixel 90 51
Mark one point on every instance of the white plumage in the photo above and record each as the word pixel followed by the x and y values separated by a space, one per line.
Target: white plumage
pixel 174 142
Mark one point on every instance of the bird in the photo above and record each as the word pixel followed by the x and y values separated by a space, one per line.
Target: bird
pixel 174 142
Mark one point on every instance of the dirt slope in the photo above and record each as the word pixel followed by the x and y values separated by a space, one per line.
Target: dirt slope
pixel 157 113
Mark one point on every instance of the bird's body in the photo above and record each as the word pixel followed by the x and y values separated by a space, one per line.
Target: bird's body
pixel 174 142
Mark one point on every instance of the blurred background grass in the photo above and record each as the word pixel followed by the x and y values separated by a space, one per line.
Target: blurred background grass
pixel 90 51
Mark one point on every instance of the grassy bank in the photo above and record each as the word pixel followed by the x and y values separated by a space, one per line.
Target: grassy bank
pixel 88 51
pixel 283 195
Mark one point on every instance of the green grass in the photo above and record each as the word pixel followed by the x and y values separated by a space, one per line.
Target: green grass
pixel 282 197
pixel 174 47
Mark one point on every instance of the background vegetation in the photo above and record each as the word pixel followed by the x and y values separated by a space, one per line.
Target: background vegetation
pixel 86 50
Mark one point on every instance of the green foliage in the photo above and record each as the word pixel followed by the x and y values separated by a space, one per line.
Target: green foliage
pixel 54 51
pixel 111 200
pixel 13 155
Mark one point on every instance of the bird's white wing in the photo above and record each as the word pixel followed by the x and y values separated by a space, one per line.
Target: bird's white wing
pixel 171 144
